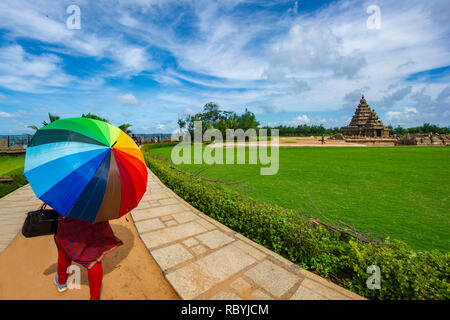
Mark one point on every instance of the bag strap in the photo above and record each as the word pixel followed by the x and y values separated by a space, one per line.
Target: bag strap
pixel 44 205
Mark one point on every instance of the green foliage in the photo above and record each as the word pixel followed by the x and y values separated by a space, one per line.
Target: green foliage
pixel 51 118
pixel 425 128
pixel 94 116
pixel 304 130
pixel 181 123
pixel 405 273
pixel 247 120
pixel 213 117
pixel 125 128
pixel 162 144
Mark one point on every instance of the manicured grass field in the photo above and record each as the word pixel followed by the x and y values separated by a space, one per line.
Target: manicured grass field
pixel 12 166
pixel 8 163
pixel 398 191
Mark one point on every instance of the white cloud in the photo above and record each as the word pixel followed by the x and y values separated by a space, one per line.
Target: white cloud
pixel 6 115
pixel 132 59
pixel 22 71
pixel 406 115
pixel 188 111
pixel 300 119
pixel 128 99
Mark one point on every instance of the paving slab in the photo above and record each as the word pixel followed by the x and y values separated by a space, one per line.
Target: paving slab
pixel 258 294
pixel 225 295
pixel 304 293
pixel 272 278
pixel 190 242
pixel 184 216
pixel 214 239
pixel 171 256
pixel 192 280
pixel 171 234
pixel 199 249
pixel 149 225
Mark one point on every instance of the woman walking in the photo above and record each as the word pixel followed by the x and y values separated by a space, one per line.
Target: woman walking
pixel 85 243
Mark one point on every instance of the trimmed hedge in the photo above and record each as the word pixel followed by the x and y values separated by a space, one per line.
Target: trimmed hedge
pixel 405 273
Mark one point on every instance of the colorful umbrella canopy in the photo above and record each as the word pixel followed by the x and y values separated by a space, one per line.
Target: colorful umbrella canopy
pixel 86 169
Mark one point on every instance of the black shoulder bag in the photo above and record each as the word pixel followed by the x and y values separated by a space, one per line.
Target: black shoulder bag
pixel 41 222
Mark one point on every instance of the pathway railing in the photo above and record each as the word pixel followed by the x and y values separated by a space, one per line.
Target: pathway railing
pixel 23 140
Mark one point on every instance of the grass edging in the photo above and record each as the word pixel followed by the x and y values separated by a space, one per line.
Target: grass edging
pixel 405 273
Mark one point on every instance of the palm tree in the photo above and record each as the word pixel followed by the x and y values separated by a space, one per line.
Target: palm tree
pixel 51 118
pixel 33 127
pixel 125 128
pixel 94 116
pixel 181 123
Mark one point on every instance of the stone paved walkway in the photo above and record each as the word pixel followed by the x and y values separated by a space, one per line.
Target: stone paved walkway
pixel 203 259
pixel 13 210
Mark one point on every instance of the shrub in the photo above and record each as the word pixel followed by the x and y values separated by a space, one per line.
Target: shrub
pixel 405 273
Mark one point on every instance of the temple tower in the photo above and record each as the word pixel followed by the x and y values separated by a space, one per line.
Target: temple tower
pixel 365 123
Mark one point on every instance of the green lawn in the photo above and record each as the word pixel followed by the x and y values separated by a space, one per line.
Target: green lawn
pixel 12 166
pixel 403 191
pixel 9 163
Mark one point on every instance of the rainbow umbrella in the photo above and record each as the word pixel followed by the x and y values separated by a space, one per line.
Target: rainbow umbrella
pixel 86 169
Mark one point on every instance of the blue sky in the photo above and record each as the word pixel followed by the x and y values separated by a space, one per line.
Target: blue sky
pixel 148 62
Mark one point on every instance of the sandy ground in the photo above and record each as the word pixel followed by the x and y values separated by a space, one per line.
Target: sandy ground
pixel 28 266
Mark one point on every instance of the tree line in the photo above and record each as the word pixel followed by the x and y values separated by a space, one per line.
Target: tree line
pixel 305 130
pixel 425 128
pixel 213 117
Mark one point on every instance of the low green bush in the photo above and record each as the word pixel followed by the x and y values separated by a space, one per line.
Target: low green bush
pixel 405 273
pixel 18 178
pixel 159 145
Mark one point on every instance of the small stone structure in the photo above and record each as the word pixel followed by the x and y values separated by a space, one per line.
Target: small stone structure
pixel 365 123
pixel 424 139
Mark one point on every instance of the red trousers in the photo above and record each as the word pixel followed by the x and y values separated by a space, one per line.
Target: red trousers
pixel 95 274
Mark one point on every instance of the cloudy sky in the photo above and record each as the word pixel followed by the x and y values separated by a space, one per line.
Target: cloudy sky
pixel 148 62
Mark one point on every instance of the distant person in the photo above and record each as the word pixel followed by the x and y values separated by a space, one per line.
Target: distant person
pixel 323 139
pixel 85 243
pixel 134 138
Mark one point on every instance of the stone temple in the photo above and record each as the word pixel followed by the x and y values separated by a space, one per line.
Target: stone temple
pixel 365 123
